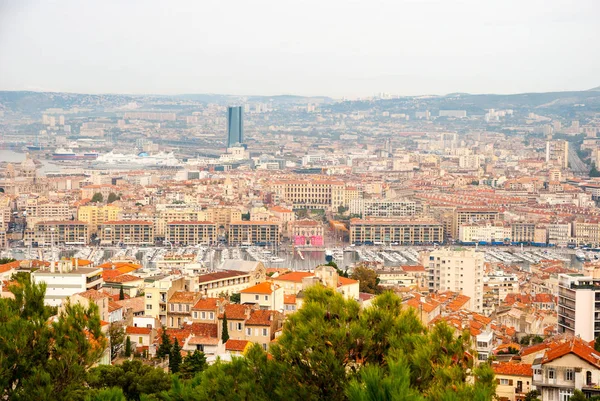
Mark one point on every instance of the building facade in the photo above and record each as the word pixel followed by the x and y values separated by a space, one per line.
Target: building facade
pixel 405 232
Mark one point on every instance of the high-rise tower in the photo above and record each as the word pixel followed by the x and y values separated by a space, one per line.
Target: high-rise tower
pixel 235 126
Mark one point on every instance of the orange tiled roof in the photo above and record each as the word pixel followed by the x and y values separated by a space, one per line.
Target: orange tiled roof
pixel 236 345
pixel 575 346
pixel 294 276
pixel 235 312
pixel 261 317
pixel 207 304
pixel 138 330
pixel 184 297
pixel 262 288
pixel 346 281
pixel 513 369
pixel 123 278
pixel 289 299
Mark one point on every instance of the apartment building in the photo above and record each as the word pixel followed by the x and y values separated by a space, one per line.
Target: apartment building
pixel 66 278
pixel 468 216
pixel 168 213
pixel 221 216
pixel 69 232
pixel 88 191
pixel 405 232
pixel 314 194
pixel 488 232
pixel 127 232
pixel 457 270
pixel 587 233
pixel 222 283
pixel 557 153
pixel 523 232
pixel 48 210
pixel 191 232
pixel 384 208
pixel 179 307
pixel 496 287
pixel 95 215
pixel 254 233
pixel 250 324
pixel 559 234
pixel 579 304
pixel 157 294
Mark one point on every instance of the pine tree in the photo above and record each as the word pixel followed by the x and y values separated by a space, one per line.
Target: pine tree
pixel 193 364
pixel 128 347
pixel 224 332
pixel 175 357
pixel 97 198
pixel 42 358
pixel 164 348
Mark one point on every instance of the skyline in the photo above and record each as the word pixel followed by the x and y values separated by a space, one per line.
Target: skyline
pixel 337 49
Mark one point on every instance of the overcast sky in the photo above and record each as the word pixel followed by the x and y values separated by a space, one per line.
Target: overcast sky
pixel 311 47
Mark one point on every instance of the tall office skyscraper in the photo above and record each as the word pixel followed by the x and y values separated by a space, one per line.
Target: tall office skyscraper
pixel 235 126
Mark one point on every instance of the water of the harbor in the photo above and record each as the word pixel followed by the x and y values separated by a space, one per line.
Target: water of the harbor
pixel 11 156
pixel 212 258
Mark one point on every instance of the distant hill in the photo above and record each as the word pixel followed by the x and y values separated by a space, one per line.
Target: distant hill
pixel 27 102
pixel 597 88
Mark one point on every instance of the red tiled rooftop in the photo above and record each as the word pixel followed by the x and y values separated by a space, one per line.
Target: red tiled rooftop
pixel 513 369
pixel 236 345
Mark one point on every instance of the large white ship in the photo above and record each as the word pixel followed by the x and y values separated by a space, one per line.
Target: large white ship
pixel 143 159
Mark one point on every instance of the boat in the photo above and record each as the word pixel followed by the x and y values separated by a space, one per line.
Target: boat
pixel 143 159
pixel 68 154
pixel 580 255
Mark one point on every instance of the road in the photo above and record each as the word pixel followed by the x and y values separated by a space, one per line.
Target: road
pixel 577 165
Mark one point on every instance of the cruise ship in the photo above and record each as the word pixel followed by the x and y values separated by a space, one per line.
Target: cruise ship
pixel 143 159
pixel 68 154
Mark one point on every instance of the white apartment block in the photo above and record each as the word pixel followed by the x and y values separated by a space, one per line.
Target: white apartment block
pixel 459 270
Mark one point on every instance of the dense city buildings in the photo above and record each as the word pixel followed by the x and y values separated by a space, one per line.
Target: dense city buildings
pixel 190 215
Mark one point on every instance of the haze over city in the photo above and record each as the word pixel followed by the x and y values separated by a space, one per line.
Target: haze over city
pixel 332 48
pixel 300 201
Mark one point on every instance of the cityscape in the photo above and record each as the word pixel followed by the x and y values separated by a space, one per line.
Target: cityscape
pixel 191 245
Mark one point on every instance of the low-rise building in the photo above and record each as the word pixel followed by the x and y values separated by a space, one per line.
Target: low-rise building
pixel 66 278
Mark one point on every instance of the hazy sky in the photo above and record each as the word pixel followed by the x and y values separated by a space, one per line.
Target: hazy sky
pixel 311 47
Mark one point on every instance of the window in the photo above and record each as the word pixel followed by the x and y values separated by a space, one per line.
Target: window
pixel 239 326
pixel 148 306
pixel 264 332
pixel 504 382
pixel 248 331
pixel 195 315
pixel 551 373
pixel 140 340
pixel 211 315
pixel 203 315
pixel 148 296
pixel 172 308
pixel 569 375
pixel 256 297
pixel 266 297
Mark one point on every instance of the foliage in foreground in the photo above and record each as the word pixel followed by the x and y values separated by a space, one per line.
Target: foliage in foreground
pixel 331 349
